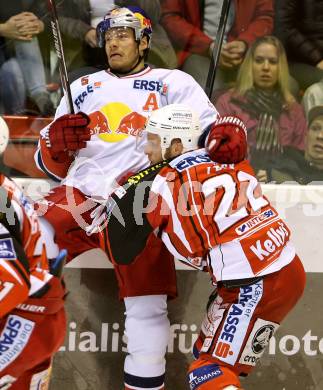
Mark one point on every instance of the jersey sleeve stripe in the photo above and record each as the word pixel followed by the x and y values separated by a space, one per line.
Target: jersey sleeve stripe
pixel 170 246
pixel 196 210
pixel 160 187
pixel 190 217
pixel 8 267
pixel 42 167
pixel 22 272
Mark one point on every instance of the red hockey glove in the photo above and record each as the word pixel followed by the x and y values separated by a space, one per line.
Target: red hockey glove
pixel 68 133
pixel 227 140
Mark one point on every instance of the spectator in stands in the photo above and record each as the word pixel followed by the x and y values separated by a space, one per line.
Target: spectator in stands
pixel 306 167
pixel 192 31
pixel 78 20
pixel 261 98
pixel 300 27
pixel 313 96
pixel 22 70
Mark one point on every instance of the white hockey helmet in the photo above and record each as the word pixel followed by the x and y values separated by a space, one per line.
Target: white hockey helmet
pixel 4 135
pixel 175 121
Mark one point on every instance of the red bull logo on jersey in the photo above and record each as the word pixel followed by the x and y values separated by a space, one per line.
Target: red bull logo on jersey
pixel 275 239
pixel 116 121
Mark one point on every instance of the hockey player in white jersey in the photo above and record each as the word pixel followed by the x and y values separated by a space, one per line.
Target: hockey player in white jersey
pixel 89 151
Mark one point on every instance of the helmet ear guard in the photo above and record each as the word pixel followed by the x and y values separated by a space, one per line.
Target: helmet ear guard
pixel 132 17
pixel 175 121
pixel 226 142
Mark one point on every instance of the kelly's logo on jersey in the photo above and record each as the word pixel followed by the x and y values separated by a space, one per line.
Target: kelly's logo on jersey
pixel 275 239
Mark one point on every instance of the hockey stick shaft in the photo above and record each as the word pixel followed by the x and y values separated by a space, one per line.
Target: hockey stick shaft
pixel 217 48
pixel 60 55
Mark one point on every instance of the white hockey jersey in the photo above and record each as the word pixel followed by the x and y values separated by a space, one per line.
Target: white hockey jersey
pixel 118 108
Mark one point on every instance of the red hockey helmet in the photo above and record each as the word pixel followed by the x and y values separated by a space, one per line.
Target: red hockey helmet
pixel 226 142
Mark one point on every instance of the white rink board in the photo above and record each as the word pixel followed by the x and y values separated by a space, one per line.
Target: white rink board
pixel 301 206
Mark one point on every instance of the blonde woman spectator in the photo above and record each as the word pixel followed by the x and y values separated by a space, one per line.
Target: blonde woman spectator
pixel 262 99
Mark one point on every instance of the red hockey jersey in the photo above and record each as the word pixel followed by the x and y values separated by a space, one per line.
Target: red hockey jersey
pixel 218 210
pixel 22 273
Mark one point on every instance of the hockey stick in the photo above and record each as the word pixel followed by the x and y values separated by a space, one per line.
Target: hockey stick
pixel 217 48
pixel 60 54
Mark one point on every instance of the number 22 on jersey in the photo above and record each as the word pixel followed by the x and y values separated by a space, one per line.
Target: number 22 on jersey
pixel 228 213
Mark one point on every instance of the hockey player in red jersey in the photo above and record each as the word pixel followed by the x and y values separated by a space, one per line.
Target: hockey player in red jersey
pixel 32 315
pixel 208 208
pixel 90 150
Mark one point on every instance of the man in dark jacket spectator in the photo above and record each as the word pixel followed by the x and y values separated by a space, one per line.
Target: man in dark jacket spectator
pixel 300 27
pixel 192 29
pixel 305 168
